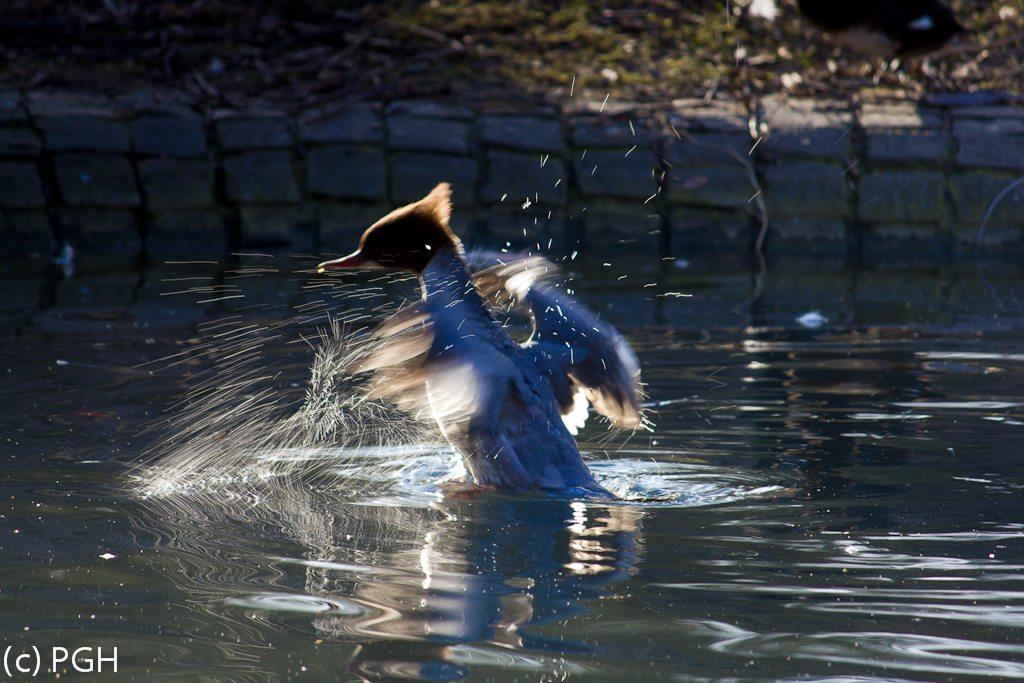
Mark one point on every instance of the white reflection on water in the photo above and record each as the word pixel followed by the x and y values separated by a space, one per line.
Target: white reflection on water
pixel 1006 615
pixel 868 649
pixel 855 592
pixel 969 355
pixel 968 536
pixel 967 405
pixel 888 416
pixel 297 603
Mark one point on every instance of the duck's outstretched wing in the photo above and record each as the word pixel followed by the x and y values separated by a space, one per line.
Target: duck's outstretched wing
pixel 396 354
pixel 443 359
pixel 595 357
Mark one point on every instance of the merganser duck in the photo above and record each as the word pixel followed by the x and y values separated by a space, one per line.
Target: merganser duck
pixel 879 28
pixel 509 409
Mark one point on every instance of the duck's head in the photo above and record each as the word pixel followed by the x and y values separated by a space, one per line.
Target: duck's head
pixel 407 238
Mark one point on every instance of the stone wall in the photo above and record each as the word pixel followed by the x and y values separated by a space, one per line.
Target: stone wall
pixel 143 178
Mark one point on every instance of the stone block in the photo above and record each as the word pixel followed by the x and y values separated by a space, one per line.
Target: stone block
pixel 253 112
pixel 973 193
pixel 96 180
pixel 155 102
pixel 20 187
pixel 110 232
pixel 344 171
pixel 805 128
pixel 991 151
pixel 601 107
pixel 522 132
pixel 907 147
pixel 359 124
pixel 901 197
pixel 26 232
pixel 84 134
pixel 525 230
pixel 902 246
pixel 708 231
pixel 813 236
pixel 602 132
pixel 514 178
pixel 711 187
pixel 789 114
pixel 817 143
pixel 414 175
pixel 717 115
pixel 42 103
pixel 180 235
pixel 429 109
pixel 260 178
pixel 995 111
pixel 988 127
pixel 19 143
pixel 806 189
pixel 708 148
pixel 614 174
pixel 172 184
pixel 996 241
pixel 261 133
pixel 168 136
pixel 614 229
pixel 428 134
pixel 342 224
pixel 277 226
pixel 902 115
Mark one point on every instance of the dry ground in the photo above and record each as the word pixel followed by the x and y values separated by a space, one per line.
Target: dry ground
pixel 299 54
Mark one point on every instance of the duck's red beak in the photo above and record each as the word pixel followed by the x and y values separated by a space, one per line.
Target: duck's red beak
pixel 353 260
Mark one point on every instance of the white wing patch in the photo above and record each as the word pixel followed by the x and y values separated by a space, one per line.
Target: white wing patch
pixel 576 418
pixel 453 395
pixel 922 23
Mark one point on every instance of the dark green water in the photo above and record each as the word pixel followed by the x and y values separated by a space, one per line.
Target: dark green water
pixel 836 503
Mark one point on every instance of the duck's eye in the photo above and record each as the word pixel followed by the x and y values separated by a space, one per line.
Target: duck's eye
pixel 428 247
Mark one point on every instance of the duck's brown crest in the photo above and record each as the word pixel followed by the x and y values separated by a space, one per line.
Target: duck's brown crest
pixel 435 207
pixel 439 202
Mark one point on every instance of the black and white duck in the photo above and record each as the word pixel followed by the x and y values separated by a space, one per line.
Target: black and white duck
pixel 881 28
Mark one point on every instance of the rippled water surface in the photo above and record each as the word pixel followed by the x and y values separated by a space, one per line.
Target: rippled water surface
pixel 825 501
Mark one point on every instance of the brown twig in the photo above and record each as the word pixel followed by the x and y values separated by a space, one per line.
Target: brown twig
pixel 426 33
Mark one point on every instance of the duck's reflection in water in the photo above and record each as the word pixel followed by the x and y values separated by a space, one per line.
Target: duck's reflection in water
pixel 488 572
pixel 411 583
